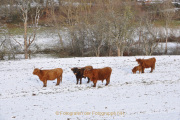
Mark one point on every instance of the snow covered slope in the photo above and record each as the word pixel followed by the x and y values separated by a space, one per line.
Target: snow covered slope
pixel 148 96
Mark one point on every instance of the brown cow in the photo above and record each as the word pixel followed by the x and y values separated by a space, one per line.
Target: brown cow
pixel 88 67
pixel 52 74
pixel 98 74
pixel 137 68
pixel 147 63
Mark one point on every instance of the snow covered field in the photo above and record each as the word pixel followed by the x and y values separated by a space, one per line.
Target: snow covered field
pixel 148 96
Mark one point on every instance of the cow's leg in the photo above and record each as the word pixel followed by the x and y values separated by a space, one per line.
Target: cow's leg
pixel 80 80
pixel 58 81
pixel 153 66
pixel 102 81
pixel 142 69
pixel 45 83
pixel 77 80
pixel 88 80
pixel 95 81
pixel 107 81
pixel 151 70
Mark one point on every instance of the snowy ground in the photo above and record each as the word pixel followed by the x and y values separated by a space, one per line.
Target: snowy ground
pixel 148 96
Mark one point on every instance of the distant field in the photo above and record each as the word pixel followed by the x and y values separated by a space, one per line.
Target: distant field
pixel 148 96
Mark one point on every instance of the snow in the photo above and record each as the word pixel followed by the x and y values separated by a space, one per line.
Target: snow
pixel 148 96
pixel 171 46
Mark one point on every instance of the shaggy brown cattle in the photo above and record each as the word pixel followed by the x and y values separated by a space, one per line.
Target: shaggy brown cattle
pixel 137 68
pixel 78 72
pixel 98 74
pixel 147 63
pixel 88 67
pixel 52 74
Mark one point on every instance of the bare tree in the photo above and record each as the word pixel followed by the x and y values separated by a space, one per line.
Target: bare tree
pixel 168 12
pixel 78 36
pixel 3 32
pixel 57 26
pixel 28 40
pixel 97 40
pixel 148 34
pixel 122 27
pixel 7 47
pixel 99 32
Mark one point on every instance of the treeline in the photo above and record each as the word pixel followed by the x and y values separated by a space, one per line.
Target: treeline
pixel 98 27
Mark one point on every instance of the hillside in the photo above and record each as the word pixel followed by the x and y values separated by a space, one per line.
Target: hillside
pixel 150 96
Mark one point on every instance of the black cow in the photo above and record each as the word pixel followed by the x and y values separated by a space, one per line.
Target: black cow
pixel 78 72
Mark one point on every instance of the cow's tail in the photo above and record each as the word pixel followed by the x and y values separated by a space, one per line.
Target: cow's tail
pixel 61 79
pixel 61 76
pixel 154 63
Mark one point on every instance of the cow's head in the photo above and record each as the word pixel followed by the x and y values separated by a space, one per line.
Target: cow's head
pixel 87 72
pixel 75 70
pixel 36 71
pixel 134 70
pixel 140 61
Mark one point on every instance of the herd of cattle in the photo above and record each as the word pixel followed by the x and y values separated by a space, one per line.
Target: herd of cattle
pixel 92 74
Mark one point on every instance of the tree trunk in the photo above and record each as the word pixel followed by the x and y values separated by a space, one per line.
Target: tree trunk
pixel 98 52
pixel 110 51
pixel 25 37
pixel 139 43
pixel 166 45
pixel 121 53
pixel 57 26
pixel 166 30
pixel 118 51
pixel 61 41
pixel 177 50
pixel 146 49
